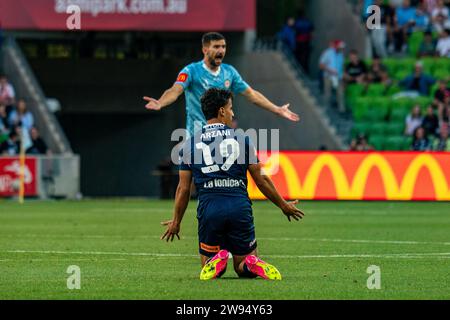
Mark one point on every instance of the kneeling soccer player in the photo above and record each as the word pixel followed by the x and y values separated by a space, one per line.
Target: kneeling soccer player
pixel 217 158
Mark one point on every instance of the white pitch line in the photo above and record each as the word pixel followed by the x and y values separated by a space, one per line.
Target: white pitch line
pixel 399 242
pixel 171 255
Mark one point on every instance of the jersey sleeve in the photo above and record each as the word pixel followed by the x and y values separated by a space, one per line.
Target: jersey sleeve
pixel 184 77
pixel 238 85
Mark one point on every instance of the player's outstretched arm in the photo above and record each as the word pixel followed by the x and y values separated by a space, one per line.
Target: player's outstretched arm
pixel 260 100
pixel 268 189
pixel 182 197
pixel 169 96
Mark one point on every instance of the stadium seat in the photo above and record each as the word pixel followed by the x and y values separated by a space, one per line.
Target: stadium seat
pixel 402 103
pixel 401 74
pixel 378 129
pixel 414 41
pixel 391 65
pixel 376 90
pixel 424 102
pixel 441 73
pixel 394 143
pixel 360 128
pixel 442 64
pixel 395 128
pixel 360 108
pixel 353 91
pixel 374 115
pixel 398 114
pixel 377 141
pixel 393 89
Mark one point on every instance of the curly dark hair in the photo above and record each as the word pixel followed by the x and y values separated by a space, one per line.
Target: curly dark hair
pixel 213 100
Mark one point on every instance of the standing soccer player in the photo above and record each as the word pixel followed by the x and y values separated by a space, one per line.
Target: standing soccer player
pixel 217 159
pixel 195 79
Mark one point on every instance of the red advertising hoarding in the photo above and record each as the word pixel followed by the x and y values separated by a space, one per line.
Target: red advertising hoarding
pixel 358 176
pixel 116 15
pixel 10 173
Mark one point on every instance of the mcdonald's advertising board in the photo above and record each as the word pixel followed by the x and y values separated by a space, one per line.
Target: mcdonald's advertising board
pixel 358 176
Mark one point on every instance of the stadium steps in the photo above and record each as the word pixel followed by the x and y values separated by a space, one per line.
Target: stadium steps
pixel 27 87
pixel 339 124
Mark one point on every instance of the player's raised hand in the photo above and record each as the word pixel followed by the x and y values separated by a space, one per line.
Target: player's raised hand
pixel 291 211
pixel 152 104
pixel 288 114
pixel 172 230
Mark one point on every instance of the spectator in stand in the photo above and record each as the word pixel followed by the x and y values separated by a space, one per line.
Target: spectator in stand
pixel 304 32
pixel 441 93
pixel 413 121
pixel 421 20
pixel 3 120
pixel 11 147
pixel 21 117
pixel 440 17
pixel 430 122
pixel 332 66
pixel 287 34
pixel 430 5
pixel 38 144
pixel 420 141
pixel 443 45
pixel 360 144
pixel 7 93
pixel 428 46
pixel 442 143
pixel 356 70
pixel 379 35
pixel 444 114
pixel 403 25
pixel 418 81
pixel 378 72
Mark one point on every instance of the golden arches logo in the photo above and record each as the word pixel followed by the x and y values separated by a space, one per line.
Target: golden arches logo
pixel 355 189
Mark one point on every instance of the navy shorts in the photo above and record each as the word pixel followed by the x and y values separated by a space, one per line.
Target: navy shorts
pixel 226 222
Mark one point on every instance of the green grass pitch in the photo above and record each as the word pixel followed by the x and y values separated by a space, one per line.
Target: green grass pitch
pixel 116 245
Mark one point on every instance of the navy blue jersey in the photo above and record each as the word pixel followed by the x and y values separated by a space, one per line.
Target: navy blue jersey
pixel 219 157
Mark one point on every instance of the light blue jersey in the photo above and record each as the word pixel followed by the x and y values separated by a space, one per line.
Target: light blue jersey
pixel 196 79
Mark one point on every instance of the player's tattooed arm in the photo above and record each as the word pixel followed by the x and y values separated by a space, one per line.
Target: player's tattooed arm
pixel 267 187
pixel 182 197
pixel 169 96
pixel 260 100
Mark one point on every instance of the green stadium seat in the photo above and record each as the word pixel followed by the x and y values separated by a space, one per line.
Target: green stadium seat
pixel 424 102
pixel 442 64
pixel 402 103
pixel 394 143
pixel 383 104
pixel 374 115
pixel 398 114
pixel 391 65
pixel 433 90
pixel 428 64
pixel 401 74
pixel 407 143
pixel 360 108
pixel 376 90
pixel 377 141
pixel 395 128
pixel 393 89
pixel 441 73
pixel 354 90
pixel 414 41
pixel 378 129
pixel 361 128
